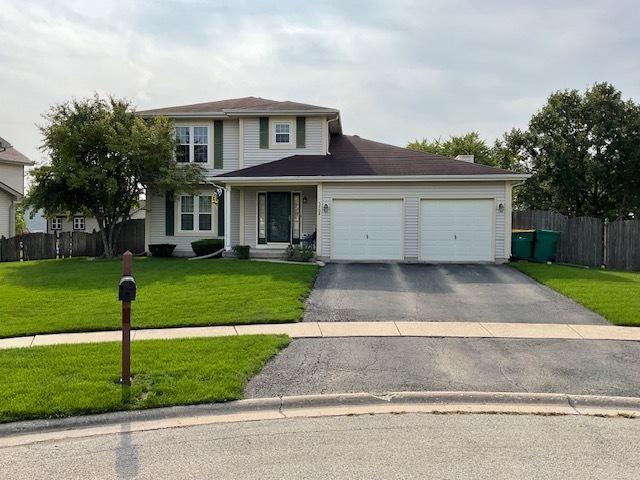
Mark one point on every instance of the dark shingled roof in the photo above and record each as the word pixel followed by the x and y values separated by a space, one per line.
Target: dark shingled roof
pixel 355 156
pixel 237 105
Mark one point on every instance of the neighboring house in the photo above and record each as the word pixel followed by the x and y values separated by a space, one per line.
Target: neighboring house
pixel 36 222
pixel 83 223
pixel 287 171
pixel 12 164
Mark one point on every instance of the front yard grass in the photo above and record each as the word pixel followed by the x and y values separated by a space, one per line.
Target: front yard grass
pixel 73 295
pixel 613 294
pixel 64 380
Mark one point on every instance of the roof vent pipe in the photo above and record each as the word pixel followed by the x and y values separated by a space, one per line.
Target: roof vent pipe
pixel 465 158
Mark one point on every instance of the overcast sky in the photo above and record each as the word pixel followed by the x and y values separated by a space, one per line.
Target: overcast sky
pixel 397 70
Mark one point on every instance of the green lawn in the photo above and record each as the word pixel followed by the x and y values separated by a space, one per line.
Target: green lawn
pixel 79 294
pixel 64 380
pixel 614 295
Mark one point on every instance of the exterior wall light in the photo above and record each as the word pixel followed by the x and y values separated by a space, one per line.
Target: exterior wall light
pixel 325 208
pixel 501 207
pixel 304 199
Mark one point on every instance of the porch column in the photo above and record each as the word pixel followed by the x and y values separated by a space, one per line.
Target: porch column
pixel 227 217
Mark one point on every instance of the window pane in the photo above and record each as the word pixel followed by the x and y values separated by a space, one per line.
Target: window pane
pixel 262 215
pixel 204 204
pixel 182 153
pixel 282 138
pixel 282 127
pixel 182 134
pixel 204 220
pixel 200 153
pixel 200 135
pixel 186 221
pixel 186 204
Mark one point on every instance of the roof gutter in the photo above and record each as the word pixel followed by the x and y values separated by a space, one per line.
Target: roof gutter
pixel 374 178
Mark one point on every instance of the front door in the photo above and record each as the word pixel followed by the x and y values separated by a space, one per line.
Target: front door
pixel 279 217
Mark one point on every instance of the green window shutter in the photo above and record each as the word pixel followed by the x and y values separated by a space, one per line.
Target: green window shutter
pixel 217 144
pixel 301 131
pixel 168 214
pixel 264 132
pixel 221 215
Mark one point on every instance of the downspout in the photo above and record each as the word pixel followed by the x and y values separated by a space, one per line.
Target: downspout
pixel 337 117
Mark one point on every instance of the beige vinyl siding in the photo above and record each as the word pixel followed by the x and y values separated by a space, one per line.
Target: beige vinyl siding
pixel 156 226
pixel 5 215
pixel 235 216
pixel 12 176
pixel 412 193
pixel 254 155
pixel 251 210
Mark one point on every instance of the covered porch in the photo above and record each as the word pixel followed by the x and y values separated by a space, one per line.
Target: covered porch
pixel 268 217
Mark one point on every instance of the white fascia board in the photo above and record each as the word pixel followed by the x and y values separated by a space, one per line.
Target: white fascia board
pixel 252 113
pixel 374 178
pixel 215 115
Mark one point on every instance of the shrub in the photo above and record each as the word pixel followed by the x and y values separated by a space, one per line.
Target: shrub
pixel 207 246
pixel 299 253
pixel 161 249
pixel 242 251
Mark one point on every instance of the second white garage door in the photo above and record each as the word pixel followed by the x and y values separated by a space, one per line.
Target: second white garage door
pixel 367 229
pixel 456 230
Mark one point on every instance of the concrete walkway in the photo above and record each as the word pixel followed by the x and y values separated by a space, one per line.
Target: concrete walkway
pixel 350 329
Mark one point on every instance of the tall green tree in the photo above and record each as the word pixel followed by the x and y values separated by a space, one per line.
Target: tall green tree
pixel 468 144
pixel 103 158
pixel 583 151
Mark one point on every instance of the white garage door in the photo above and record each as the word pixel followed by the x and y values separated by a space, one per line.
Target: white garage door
pixel 367 229
pixel 456 230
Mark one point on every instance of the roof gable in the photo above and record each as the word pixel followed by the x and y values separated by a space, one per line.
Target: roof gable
pixel 10 155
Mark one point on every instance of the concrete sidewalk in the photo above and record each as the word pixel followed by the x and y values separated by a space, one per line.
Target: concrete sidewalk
pixel 350 329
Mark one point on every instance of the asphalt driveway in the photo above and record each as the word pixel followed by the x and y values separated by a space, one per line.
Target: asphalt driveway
pixel 438 293
pixel 343 365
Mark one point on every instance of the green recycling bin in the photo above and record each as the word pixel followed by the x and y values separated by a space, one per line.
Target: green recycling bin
pixel 522 244
pixel 545 245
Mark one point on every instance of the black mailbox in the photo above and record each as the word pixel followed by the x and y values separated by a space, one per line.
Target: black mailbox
pixel 127 289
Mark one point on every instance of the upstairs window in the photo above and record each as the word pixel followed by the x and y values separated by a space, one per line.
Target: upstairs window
pixel 193 144
pixel 78 223
pixel 56 223
pixel 196 213
pixel 282 132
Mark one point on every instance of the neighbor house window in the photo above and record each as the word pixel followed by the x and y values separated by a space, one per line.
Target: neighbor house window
pixel 196 213
pixel 193 144
pixel 282 132
pixel 78 223
pixel 56 223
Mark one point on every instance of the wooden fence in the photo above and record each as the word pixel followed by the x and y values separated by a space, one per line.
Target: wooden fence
pixel 587 240
pixel 35 246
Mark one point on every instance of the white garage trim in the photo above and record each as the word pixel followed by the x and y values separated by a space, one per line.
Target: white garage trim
pixel 399 253
pixel 491 248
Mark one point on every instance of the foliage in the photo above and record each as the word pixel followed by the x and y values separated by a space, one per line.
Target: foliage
pixel 76 294
pixel 103 158
pixel 242 251
pixel 21 224
pixel 162 249
pixel 207 246
pixel 64 380
pixel 299 253
pixel 583 150
pixel 468 144
pixel 614 295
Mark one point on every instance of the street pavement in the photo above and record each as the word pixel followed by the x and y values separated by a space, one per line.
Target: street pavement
pixel 343 365
pixel 403 446
pixel 438 293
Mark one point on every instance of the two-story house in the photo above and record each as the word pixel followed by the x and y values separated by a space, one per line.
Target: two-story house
pixel 286 170
pixel 12 164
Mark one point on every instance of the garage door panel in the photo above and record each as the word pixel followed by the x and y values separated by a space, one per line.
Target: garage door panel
pixel 367 229
pixel 456 230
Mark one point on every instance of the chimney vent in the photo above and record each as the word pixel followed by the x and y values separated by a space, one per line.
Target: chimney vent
pixel 465 158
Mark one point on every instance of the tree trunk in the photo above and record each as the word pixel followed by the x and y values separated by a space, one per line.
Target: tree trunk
pixel 106 234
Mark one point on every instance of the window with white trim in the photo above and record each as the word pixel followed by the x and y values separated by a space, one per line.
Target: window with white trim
pixel 282 133
pixel 193 144
pixel 196 213
pixel 56 223
pixel 78 223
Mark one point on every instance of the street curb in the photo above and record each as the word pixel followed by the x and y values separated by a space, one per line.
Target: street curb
pixel 319 406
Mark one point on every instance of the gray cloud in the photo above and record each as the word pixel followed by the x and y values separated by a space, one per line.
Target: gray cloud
pixel 398 71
